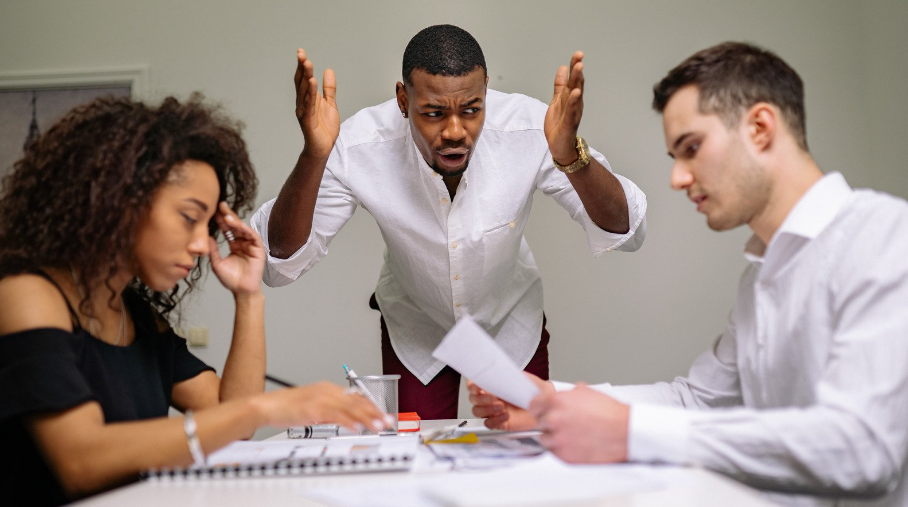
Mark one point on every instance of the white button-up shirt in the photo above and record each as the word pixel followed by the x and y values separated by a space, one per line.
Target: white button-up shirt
pixel 811 375
pixel 445 259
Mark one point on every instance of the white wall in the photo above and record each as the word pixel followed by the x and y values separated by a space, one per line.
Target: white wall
pixel 624 317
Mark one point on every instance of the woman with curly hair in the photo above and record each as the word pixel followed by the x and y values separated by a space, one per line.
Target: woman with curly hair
pixel 105 215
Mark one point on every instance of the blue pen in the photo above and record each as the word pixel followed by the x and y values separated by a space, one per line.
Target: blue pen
pixel 389 420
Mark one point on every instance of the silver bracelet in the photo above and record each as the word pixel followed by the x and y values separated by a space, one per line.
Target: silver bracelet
pixel 195 447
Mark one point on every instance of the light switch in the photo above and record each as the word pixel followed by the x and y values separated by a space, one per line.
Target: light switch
pixel 198 337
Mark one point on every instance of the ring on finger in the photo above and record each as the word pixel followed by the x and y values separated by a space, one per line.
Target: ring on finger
pixel 229 235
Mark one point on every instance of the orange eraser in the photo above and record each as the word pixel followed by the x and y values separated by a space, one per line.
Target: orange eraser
pixel 407 421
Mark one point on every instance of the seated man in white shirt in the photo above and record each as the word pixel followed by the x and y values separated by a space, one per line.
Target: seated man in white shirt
pixel 448 170
pixel 805 394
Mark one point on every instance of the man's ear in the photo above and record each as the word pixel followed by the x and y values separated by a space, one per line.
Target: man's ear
pixel 762 125
pixel 402 103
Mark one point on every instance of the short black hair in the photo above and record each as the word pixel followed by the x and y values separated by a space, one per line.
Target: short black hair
pixel 733 76
pixel 443 50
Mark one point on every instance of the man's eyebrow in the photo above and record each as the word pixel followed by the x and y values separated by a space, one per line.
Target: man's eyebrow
pixel 471 102
pixel 678 142
pixel 198 202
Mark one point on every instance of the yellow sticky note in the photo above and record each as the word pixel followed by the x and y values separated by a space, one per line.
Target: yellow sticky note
pixel 469 438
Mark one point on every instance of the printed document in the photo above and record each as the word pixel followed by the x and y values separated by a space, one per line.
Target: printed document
pixel 474 354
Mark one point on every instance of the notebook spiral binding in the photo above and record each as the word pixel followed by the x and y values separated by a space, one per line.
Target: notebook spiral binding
pixel 306 466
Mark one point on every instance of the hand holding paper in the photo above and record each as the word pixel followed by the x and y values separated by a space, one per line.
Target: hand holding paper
pixel 474 354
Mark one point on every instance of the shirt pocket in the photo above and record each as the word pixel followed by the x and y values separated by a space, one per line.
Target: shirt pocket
pixel 500 246
pixel 509 225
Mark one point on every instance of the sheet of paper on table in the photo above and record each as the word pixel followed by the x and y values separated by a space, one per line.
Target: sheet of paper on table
pixel 491 445
pixel 271 451
pixel 540 481
pixel 474 354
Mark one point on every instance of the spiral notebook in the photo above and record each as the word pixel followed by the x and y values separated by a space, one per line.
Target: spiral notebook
pixel 280 457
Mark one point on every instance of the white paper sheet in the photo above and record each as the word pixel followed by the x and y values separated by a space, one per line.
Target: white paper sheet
pixel 474 354
pixel 537 482
pixel 270 451
pixel 545 481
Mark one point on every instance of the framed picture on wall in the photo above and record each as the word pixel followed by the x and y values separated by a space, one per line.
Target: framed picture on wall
pixel 32 102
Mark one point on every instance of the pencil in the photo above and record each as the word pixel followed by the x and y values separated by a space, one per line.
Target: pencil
pixel 281 382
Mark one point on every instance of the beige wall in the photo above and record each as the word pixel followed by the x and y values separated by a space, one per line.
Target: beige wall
pixel 623 317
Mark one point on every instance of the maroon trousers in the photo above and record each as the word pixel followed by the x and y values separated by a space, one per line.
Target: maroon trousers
pixel 438 399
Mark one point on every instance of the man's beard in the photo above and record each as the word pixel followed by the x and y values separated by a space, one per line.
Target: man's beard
pixel 450 174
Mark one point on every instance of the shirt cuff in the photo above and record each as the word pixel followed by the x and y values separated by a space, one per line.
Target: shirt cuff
pixel 601 241
pixel 278 271
pixel 659 434
pixel 562 386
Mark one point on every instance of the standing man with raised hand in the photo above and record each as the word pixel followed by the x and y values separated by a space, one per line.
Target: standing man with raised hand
pixel 806 391
pixel 448 169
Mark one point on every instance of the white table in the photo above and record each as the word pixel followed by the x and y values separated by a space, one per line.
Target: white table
pixel 697 487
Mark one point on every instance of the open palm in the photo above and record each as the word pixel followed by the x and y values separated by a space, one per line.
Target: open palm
pixel 562 119
pixel 317 114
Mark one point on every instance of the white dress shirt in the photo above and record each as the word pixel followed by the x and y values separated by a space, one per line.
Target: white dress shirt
pixel 446 259
pixel 809 381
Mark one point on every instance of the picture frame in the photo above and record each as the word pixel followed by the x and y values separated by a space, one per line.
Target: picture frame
pixel 31 101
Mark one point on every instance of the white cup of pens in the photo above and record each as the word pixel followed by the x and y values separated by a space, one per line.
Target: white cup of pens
pixel 382 390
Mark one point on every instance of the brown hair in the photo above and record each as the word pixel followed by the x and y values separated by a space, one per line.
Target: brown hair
pixel 76 196
pixel 733 76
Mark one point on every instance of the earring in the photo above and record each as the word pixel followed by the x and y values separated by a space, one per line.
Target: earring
pixel 403 113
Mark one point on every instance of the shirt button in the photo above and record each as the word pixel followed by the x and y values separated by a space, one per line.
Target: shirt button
pixel 457 277
pixel 444 200
pixel 457 305
pixel 454 245
pixel 608 249
pixel 511 225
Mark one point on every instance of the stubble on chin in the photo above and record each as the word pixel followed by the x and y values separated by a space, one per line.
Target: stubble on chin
pixel 449 174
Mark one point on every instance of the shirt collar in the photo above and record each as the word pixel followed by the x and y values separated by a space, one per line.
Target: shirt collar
pixel 813 212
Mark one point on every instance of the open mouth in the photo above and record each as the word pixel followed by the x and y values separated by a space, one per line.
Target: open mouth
pixel 453 157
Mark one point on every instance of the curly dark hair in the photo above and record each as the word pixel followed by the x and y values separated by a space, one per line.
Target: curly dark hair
pixel 442 50
pixel 74 199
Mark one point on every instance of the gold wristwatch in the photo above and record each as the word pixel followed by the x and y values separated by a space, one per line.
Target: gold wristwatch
pixel 583 152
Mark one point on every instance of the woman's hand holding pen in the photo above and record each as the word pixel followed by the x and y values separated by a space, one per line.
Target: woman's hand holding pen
pixel 321 403
pixel 240 271
pixel 501 415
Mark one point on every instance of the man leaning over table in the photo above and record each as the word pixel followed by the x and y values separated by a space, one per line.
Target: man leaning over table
pixel 805 394
pixel 448 170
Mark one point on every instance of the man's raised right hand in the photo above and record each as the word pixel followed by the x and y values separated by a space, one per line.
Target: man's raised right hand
pixel 317 114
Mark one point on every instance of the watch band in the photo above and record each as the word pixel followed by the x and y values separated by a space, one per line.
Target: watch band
pixel 583 154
